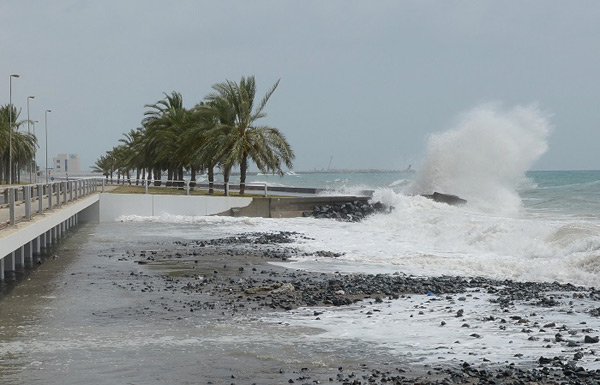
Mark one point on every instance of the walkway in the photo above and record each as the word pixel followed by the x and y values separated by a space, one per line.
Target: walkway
pixel 36 216
pixel 22 203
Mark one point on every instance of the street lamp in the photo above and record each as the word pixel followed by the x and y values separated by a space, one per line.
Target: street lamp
pixel 10 128
pixel 28 98
pixel 46 127
pixel 35 151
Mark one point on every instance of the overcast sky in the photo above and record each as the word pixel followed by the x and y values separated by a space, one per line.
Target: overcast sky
pixel 364 82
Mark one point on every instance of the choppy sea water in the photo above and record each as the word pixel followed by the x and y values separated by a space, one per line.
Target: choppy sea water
pixel 545 229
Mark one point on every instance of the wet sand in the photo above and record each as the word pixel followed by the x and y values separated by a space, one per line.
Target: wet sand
pixel 234 277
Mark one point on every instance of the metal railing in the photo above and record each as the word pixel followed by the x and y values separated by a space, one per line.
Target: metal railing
pixel 22 203
pixel 188 185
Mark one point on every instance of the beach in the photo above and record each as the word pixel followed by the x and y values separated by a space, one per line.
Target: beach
pixel 234 310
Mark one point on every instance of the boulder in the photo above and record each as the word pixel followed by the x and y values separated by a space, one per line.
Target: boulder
pixel 446 198
pixel 350 211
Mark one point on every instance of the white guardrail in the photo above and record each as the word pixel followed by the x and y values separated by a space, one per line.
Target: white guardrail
pixel 22 203
pixel 188 185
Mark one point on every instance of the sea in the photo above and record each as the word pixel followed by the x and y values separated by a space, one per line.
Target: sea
pixel 544 228
pixel 64 324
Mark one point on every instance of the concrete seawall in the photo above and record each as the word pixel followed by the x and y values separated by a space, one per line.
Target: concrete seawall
pixel 112 206
pixel 287 207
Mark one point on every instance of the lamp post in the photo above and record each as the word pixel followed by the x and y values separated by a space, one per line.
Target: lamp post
pixel 30 165
pixel 10 128
pixel 46 127
pixel 35 151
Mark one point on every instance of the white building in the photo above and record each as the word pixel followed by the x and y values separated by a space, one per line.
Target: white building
pixel 64 164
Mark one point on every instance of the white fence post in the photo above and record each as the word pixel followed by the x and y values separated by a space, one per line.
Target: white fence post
pixel 40 192
pixel 64 187
pixel 49 191
pixel 27 199
pixel 11 205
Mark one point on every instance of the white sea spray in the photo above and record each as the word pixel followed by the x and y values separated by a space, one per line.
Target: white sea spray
pixel 485 157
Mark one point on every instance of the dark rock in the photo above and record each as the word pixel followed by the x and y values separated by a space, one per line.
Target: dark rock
pixel 348 212
pixel 543 360
pixel 591 340
pixel 595 312
pixel 446 198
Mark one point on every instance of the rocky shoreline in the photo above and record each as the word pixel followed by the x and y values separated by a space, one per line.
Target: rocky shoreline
pixel 349 212
pixel 231 277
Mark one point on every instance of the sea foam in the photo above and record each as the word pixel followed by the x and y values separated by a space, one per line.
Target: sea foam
pixel 485 157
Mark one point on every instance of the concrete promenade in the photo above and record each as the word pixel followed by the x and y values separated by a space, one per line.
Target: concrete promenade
pixel 40 216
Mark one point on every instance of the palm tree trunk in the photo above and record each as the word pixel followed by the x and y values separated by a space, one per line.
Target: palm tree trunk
pixel 157 177
pixel 226 180
pixel 211 180
pixel 169 176
pixel 243 167
pixel 193 176
pixel 181 183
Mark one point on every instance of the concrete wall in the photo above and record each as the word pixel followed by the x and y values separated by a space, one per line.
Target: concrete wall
pixel 90 213
pixel 113 206
pixel 287 207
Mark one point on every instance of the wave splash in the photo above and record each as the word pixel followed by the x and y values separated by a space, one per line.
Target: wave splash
pixel 485 157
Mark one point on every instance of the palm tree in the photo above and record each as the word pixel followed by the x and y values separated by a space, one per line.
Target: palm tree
pixel 4 127
pixel 202 142
pixel 122 162
pixel 220 132
pixel 105 165
pixel 190 150
pixel 166 124
pixel 23 144
pixel 135 157
pixel 237 137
